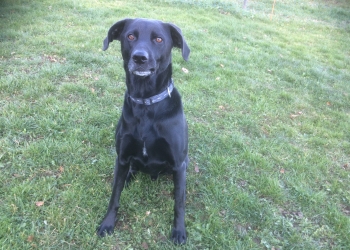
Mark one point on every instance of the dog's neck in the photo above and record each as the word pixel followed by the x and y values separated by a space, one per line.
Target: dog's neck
pixel 156 98
pixel 145 87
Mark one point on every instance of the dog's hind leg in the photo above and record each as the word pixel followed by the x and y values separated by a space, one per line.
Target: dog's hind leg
pixel 131 176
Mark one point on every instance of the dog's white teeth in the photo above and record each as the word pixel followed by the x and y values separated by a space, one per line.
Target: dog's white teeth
pixel 142 73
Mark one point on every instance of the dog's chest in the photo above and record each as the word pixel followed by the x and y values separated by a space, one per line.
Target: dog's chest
pixel 143 140
pixel 144 125
pixel 146 132
pixel 151 154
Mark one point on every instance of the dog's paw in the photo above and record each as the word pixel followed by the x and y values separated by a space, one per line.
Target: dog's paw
pixel 179 236
pixel 105 228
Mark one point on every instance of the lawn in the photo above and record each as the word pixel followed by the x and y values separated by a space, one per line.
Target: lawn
pixel 267 99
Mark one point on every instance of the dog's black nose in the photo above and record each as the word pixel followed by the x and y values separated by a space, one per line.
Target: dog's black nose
pixel 140 56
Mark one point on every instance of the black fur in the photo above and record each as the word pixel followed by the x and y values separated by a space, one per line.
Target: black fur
pixel 149 138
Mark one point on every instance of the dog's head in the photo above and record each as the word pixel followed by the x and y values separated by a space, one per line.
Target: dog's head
pixel 146 44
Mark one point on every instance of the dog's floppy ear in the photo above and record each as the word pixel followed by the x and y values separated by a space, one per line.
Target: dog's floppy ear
pixel 114 33
pixel 179 41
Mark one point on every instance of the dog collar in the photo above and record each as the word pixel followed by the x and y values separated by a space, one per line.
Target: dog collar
pixel 155 98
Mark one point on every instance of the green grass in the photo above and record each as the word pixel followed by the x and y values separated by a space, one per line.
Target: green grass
pixel 268 107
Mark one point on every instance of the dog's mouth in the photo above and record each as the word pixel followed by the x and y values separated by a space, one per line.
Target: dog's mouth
pixel 143 73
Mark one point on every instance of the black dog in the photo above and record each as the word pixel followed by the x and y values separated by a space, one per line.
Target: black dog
pixel 151 135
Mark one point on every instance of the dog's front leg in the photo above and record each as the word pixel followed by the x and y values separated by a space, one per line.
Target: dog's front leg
pixel 179 231
pixel 108 223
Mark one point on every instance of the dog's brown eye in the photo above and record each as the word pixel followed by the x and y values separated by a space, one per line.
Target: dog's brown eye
pixel 159 40
pixel 131 37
